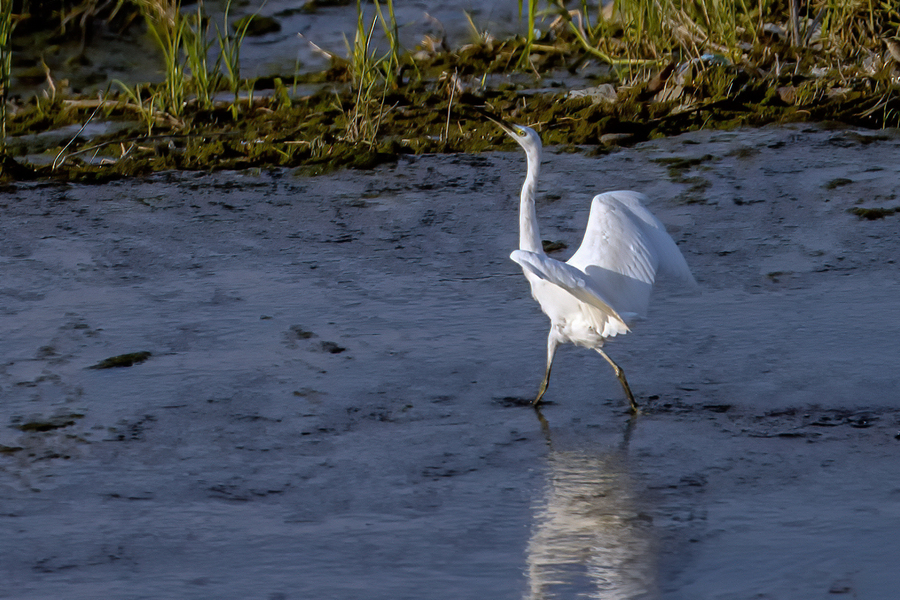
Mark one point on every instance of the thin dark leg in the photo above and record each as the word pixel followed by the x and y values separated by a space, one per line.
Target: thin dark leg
pixel 621 375
pixel 551 350
pixel 543 387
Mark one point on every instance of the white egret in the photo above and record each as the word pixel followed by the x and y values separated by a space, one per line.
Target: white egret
pixel 606 284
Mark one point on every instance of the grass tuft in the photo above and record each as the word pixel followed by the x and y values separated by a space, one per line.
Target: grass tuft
pixel 7 24
pixel 371 74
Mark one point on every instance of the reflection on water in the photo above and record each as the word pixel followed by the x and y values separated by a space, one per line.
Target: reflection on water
pixel 588 541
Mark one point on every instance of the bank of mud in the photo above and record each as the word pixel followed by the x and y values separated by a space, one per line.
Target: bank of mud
pixel 309 133
pixel 348 109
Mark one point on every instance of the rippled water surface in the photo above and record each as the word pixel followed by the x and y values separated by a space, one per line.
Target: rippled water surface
pixel 332 405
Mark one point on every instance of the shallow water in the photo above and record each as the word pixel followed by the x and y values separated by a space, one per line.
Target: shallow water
pixel 305 38
pixel 304 44
pixel 332 405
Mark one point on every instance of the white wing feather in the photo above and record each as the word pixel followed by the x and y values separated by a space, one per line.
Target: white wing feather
pixel 671 261
pixel 567 277
pixel 624 247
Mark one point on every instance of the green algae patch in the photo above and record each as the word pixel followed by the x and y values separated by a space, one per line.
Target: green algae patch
pixel 13 170
pixel 57 422
pixel 873 214
pixel 837 182
pixel 553 246
pixel 678 163
pixel 122 360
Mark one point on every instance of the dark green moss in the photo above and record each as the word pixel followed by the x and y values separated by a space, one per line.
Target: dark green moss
pixel 873 214
pixel 256 25
pixel 122 360
pixel 681 163
pixel 50 424
pixel 551 246
pixel 836 183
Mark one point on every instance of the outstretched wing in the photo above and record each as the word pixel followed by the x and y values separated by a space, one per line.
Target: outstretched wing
pixel 671 261
pixel 570 279
pixel 623 249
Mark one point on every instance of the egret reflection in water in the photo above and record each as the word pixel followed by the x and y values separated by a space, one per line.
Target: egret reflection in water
pixel 588 540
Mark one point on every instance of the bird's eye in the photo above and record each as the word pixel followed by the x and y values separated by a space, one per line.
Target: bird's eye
pixel 522 132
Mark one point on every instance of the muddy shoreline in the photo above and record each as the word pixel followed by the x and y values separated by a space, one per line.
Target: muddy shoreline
pixel 317 89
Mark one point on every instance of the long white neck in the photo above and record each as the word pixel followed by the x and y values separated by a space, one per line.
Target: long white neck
pixel 529 236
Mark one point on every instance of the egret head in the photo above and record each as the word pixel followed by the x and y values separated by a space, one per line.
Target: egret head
pixel 526 137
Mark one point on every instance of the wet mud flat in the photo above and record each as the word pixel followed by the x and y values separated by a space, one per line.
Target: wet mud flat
pixel 323 383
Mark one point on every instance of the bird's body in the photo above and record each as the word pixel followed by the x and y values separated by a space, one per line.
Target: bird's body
pixel 606 284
